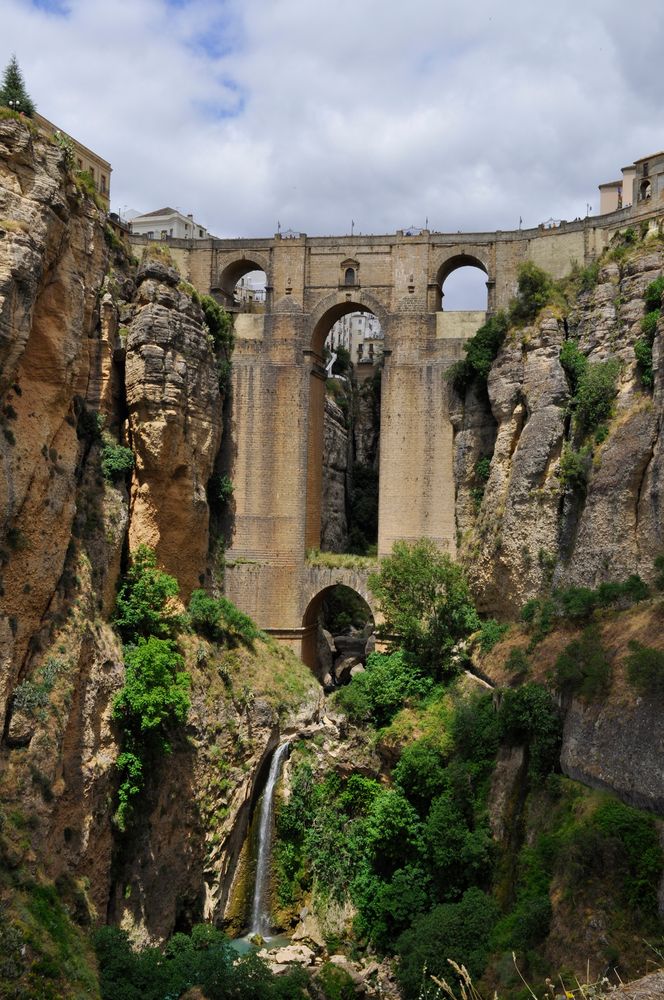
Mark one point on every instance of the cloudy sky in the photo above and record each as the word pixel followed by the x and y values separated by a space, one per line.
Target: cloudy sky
pixel 313 113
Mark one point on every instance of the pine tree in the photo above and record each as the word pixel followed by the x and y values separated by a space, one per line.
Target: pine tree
pixel 13 93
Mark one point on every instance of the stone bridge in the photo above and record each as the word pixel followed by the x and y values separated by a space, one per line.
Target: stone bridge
pixel 273 442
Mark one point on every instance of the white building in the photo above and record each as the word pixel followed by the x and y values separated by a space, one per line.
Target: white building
pixel 359 333
pixel 166 223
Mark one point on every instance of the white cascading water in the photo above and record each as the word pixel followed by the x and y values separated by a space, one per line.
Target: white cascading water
pixel 260 914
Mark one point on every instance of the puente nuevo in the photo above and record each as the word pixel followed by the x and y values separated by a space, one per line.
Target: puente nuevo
pixel 274 438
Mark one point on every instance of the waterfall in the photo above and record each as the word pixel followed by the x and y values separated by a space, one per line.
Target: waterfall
pixel 260 915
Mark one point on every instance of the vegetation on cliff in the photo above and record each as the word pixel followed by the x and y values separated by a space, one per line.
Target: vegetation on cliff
pixel 490 860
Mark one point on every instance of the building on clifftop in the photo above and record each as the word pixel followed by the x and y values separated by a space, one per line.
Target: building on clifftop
pixel 168 223
pixel 84 159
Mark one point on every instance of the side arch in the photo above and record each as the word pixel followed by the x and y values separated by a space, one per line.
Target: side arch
pixel 450 261
pixel 235 266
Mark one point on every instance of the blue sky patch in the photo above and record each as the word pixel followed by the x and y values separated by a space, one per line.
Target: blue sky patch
pixel 58 7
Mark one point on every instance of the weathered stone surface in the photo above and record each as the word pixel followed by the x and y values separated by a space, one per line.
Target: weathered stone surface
pixel 52 261
pixel 618 747
pixel 529 532
pixel 174 406
pixel 505 783
pixel 334 526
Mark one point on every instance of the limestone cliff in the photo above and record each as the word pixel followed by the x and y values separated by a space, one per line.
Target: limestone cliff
pixel 97 350
pixel 528 531
pixel 52 261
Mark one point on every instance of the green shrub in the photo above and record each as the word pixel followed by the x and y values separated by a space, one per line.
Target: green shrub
pixel 116 461
pixel 589 276
pixel 645 669
pixel 574 362
pixel 595 394
pixel 220 325
pixel 32 696
pixel 659 568
pixel 577 602
pixel 622 840
pixel 491 632
pixel 643 346
pixel 517 662
pixel 220 490
pixel 381 691
pixel 643 354
pixel 539 616
pixel 653 294
pixel 482 471
pixel 534 289
pixel 583 667
pixel 142 605
pixel 481 351
pixel 219 620
pixel 335 983
pixel 574 468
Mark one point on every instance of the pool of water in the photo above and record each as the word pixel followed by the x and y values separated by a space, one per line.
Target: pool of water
pixel 243 945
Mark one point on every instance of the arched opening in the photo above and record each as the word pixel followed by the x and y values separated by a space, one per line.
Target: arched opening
pixel 463 297
pixel 340 627
pixel 645 190
pixel 344 433
pixel 349 276
pixel 242 287
pixel 465 289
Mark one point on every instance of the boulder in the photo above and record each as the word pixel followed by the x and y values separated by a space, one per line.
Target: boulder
pixel 343 667
pixel 350 645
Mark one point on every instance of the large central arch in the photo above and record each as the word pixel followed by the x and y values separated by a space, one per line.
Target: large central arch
pixel 321 322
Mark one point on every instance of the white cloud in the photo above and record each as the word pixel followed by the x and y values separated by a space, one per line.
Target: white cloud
pixel 246 112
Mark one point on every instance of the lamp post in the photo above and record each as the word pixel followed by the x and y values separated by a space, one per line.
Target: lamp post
pixel 14 105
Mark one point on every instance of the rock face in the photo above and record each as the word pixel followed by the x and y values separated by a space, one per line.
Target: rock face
pixel 174 406
pixel 527 531
pixel 52 260
pixel 334 525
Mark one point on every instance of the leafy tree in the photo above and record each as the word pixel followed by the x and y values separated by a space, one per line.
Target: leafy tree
pixel 530 715
pixel 458 856
pixel 426 603
pixel 141 607
pixel 13 93
pixel 459 931
pixel 155 692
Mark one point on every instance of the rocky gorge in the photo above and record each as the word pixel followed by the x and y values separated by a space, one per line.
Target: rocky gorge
pixel 112 395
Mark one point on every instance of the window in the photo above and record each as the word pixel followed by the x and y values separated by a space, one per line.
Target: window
pixel 150 234
pixel 200 232
pixel 103 183
pixel 349 276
